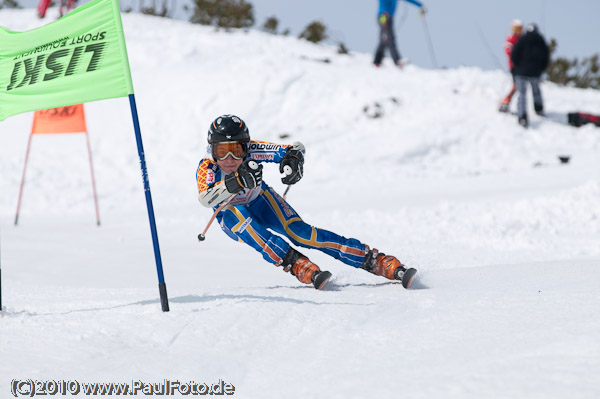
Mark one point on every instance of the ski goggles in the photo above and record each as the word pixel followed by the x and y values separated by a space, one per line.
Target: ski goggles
pixel 222 150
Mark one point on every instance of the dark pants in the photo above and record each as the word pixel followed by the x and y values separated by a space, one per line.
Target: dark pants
pixel 386 39
pixel 538 104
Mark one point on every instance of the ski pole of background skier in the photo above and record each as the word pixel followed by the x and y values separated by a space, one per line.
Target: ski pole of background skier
pixel 488 47
pixel 428 35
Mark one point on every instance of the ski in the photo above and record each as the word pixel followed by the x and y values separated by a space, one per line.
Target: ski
pixel 321 278
pixel 408 277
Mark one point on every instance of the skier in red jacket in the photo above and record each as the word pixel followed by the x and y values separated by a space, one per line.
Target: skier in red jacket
pixel 64 8
pixel 511 40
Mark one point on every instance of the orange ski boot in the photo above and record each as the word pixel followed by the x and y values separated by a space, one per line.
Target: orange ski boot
pixel 388 266
pixel 305 271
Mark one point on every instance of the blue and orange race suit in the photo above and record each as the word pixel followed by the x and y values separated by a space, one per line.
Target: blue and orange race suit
pixel 255 215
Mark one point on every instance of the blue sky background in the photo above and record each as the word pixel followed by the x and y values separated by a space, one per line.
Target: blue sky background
pixel 463 32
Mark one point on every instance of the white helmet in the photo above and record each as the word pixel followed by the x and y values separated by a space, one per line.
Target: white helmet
pixel 517 26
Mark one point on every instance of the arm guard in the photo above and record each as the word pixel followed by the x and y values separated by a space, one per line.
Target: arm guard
pixel 214 195
pixel 211 191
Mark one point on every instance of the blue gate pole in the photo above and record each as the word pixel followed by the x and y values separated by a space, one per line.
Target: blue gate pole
pixel 162 287
pixel 0 274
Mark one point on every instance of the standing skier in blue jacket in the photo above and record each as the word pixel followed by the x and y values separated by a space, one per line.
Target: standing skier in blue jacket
pixel 387 38
pixel 232 170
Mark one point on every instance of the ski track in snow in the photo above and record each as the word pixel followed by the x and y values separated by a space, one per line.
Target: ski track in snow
pixel 505 303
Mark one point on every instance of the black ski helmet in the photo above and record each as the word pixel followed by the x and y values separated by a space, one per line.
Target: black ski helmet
pixel 228 128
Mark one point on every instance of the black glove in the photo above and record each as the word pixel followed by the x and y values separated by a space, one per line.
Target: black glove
pixel 292 164
pixel 248 175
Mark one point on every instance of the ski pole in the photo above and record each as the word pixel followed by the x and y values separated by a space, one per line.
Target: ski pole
pixel 487 46
pixel 286 191
pixel 287 170
pixel 202 236
pixel 435 64
pixel 0 276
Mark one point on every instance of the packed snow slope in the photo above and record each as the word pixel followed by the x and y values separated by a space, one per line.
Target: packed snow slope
pixel 505 237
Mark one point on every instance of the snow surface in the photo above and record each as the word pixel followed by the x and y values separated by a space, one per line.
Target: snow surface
pixel 506 304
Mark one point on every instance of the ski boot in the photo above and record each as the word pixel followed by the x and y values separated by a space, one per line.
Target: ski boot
pixel 539 109
pixel 388 266
pixel 305 271
pixel 505 103
pixel 523 121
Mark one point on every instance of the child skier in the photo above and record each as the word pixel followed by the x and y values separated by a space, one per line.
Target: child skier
pixel 233 169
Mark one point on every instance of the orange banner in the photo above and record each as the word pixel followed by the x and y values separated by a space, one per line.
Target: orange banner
pixel 69 119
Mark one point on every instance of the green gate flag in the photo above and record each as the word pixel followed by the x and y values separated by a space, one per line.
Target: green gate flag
pixel 79 58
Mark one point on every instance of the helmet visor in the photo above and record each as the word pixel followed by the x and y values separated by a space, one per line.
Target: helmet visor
pixel 222 150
